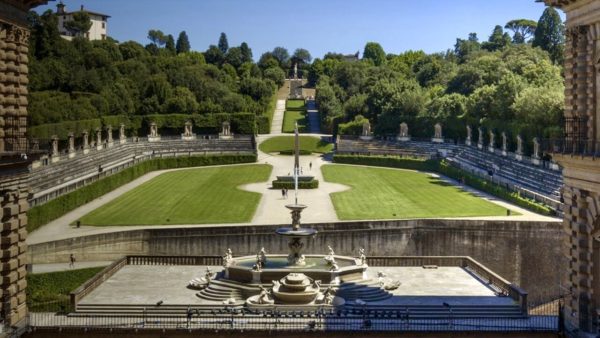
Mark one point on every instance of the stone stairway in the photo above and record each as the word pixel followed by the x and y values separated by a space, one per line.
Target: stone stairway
pixel 219 290
pixel 365 290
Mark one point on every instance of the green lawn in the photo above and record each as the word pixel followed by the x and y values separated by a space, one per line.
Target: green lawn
pixel 50 291
pixel 286 143
pixel 295 111
pixel 191 196
pixel 379 193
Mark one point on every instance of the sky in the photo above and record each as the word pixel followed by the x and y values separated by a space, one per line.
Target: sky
pixel 320 26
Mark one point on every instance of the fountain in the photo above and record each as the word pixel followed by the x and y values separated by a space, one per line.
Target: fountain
pixel 295 280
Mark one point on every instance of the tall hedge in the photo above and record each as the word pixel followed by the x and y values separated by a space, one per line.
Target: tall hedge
pixel 446 169
pixel 59 206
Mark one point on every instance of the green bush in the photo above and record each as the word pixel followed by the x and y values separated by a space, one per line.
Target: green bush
pixel 292 152
pixel 314 184
pixel 59 206
pixel 445 169
pixel 263 126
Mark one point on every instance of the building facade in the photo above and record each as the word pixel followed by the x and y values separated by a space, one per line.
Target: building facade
pixel 14 40
pixel 578 153
pixel 99 28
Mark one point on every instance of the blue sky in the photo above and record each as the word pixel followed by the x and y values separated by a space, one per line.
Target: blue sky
pixel 318 25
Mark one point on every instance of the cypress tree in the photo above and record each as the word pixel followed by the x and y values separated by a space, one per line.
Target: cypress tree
pixel 223 43
pixel 183 43
pixel 549 34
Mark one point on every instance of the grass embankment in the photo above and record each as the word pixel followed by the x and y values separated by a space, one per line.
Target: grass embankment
pixel 50 291
pixel 194 196
pixel 295 111
pixel 285 144
pixel 379 193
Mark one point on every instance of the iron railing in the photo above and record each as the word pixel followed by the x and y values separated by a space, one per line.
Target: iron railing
pixel 573 147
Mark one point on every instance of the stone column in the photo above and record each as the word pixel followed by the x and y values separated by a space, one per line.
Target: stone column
pixel 535 158
pixel 504 144
pixel 55 154
pixel 71 145
pixel 109 136
pixel 99 145
pixel 122 136
pixel 86 142
pixel 480 138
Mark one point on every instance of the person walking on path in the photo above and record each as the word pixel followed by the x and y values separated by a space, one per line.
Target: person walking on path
pixel 282 193
pixel 71 261
pixel 310 166
pixel 286 193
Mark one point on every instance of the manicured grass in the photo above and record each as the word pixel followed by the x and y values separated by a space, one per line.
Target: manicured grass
pixel 295 111
pixel 286 143
pixel 380 193
pixel 50 291
pixel 191 196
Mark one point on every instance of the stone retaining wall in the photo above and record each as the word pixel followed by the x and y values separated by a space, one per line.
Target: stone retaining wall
pixel 525 253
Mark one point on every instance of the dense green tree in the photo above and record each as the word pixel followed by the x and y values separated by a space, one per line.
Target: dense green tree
pixel 374 52
pixel 302 55
pixel 463 48
pixel 214 55
pixel 223 43
pixel 183 43
pixel 498 40
pixel 157 37
pixel 281 54
pixel 523 29
pixel 132 50
pixel 246 52
pixel 275 74
pixel 80 24
pixel 170 44
pixel 550 34
pixel 182 101
pixel 234 57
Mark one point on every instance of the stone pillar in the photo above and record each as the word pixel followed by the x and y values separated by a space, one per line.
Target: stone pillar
pixel 519 151
pixel 492 141
pixel 86 142
pixel 469 135
pixel 504 144
pixel 71 145
pixel 109 136
pixel 54 153
pixel 13 89
pixel 99 145
pixel 480 138
pixel 438 137
pixel 122 136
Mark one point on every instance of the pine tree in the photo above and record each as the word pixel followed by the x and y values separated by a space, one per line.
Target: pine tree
pixel 183 43
pixel 170 45
pixel 246 52
pixel 549 34
pixel 223 44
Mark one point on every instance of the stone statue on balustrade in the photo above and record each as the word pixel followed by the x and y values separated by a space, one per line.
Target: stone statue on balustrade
pixel 504 144
pixel 55 153
pixel 86 142
pixel 226 133
pixel 188 135
pixel 99 145
pixel 122 136
pixel 109 136
pixel 438 137
pixel 519 152
pixel 71 145
pixel 403 136
pixel 469 135
pixel 366 131
pixel 153 136
pixel 492 141
pixel 536 157
pixel 480 138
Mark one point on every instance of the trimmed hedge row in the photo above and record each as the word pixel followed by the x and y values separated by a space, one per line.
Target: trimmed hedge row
pixel 292 152
pixel 241 123
pixel 59 206
pixel 388 161
pixel 314 184
pixel 444 168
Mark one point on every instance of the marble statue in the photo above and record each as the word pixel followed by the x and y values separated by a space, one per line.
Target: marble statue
pixel 438 137
pixel 469 135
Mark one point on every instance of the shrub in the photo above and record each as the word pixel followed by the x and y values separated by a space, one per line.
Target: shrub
pixel 388 161
pixel 59 206
pixel 292 152
pixel 290 185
